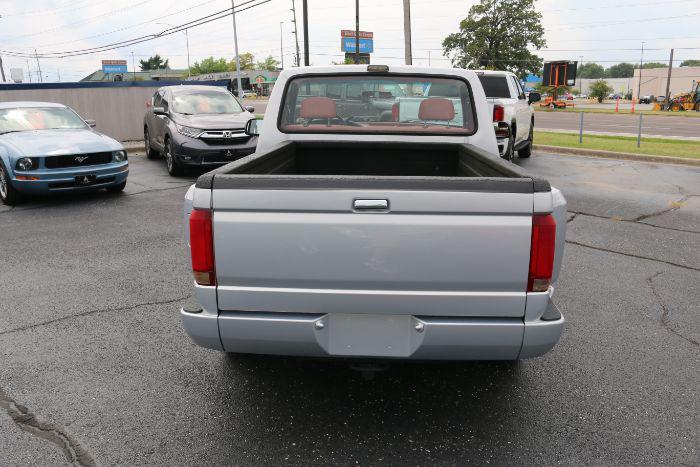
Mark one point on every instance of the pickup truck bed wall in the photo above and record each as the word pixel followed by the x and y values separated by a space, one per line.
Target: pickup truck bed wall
pixel 390 165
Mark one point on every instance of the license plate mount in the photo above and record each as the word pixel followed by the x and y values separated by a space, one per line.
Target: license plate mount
pixel 85 180
pixel 370 335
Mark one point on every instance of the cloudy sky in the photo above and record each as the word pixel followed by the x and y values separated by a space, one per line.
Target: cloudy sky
pixel 605 31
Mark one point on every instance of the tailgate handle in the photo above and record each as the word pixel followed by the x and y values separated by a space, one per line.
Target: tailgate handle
pixel 371 204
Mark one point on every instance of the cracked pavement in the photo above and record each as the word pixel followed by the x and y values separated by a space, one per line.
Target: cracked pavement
pixel 93 352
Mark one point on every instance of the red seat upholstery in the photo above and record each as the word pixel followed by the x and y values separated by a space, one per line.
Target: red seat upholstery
pixel 317 107
pixel 436 108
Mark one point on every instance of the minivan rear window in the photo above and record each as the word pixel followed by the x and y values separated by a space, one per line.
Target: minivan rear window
pixel 378 104
pixel 495 86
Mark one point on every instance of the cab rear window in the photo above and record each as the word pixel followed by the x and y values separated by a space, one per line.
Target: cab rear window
pixel 495 86
pixel 379 104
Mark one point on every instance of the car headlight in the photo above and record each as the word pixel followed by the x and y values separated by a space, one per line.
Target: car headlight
pixel 188 131
pixel 25 163
pixel 119 156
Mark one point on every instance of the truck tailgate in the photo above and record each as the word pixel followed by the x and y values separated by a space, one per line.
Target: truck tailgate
pixel 439 253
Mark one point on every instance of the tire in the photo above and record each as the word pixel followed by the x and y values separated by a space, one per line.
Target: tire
pixel 173 166
pixel 526 151
pixel 509 154
pixel 117 188
pixel 8 194
pixel 150 152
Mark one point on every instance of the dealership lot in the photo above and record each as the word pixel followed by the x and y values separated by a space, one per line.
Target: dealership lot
pixel 92 346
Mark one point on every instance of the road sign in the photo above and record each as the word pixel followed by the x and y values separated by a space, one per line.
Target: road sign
pixel 114 66
pixel 347 44
pixel 559 73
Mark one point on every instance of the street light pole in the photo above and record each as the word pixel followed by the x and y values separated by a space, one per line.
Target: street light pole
pixel 281 48
pixel 133 67
pixel 235 44
pixel 187 42
pixel 357 32
pixel 641 63
pixel 306 32
pixel 408 53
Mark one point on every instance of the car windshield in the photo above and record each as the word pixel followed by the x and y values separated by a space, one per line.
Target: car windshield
pixel 378 104
pixel 495 86
pixel 39 118
pixel 205 102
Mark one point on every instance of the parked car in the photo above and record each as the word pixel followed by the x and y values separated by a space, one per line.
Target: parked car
pixel 47 148
pixel 355 236
pixel 248 94
pixel 196 126
pixel 646 99
pixel 513 115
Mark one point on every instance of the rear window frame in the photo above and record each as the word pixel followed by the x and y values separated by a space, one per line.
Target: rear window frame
pixel 380 75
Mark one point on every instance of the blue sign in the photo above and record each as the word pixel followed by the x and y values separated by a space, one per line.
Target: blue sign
pixel 116 68
pixel 347 44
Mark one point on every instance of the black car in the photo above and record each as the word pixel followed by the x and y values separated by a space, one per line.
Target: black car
pixel 193 125
pixel 646 99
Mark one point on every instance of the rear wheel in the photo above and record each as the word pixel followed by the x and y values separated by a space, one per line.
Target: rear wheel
pixel 8 193
pixel 526 151
pixel 150 152
pixel 174 168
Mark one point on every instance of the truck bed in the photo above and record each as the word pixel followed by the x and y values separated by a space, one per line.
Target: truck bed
pixel 343 164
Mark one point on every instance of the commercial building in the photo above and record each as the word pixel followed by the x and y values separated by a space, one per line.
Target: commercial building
pixel 261 81
pixel 654 80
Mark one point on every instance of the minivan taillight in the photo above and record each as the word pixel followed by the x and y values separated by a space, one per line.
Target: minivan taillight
pixel 542 243
pixel 499 113
pixel 202 247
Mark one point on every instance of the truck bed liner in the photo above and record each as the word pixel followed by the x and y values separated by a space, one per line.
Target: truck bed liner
pixel 388 165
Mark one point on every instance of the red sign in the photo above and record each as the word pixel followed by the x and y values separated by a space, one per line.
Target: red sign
pixel 114 62
pixel 351 33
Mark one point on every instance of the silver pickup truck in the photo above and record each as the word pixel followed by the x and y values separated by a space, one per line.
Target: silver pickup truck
pixel 359 229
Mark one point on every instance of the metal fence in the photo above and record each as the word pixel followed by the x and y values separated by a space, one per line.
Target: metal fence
pixel 117 107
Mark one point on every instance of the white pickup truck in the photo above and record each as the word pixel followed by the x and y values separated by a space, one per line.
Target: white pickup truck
pixel 513 115
pixel 375 219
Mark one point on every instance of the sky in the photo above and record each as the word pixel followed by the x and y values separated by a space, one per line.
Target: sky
pixel 602 31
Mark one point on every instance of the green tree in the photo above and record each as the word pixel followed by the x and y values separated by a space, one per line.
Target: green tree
pixel 496 34
pixel 599 89
pixel 269 64
pixel 646 66
pixel 621 70
pixel 209 65
pixel 590 71
pixel 690 63
pixel 154 63
pixel 246 60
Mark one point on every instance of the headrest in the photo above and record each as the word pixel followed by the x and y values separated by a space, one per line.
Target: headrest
pixel 318 107
pixel 436 108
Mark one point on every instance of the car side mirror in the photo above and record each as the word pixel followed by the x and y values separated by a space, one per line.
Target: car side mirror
pixel 159 111
pixel 534 97
pixel 91 123
pixel 251 127
pixel 249 108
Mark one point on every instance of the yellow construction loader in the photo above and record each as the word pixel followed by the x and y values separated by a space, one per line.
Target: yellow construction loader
pixel 683 101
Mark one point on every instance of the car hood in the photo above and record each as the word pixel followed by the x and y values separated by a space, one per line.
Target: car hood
pixel 57 142
pixel 214 121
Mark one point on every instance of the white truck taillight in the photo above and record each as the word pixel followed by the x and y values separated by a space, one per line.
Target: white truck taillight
pixel 202 247
pixel 542 244
pixel 499 113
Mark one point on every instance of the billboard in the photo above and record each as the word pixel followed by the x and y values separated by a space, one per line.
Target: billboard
pixel 114 66
pixel 347 44
pixel 559 73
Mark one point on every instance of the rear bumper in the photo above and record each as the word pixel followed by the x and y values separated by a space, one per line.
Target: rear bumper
pixel 439 338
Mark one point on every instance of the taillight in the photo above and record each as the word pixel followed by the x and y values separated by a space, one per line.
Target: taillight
pixel 544 233
pixel 202 247
pixel 499 113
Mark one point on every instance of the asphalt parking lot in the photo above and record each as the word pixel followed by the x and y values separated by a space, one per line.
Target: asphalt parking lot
pixel 97 369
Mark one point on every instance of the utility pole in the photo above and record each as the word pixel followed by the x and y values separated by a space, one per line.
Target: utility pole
pixel 187 44
pixel 668 80
pixel 296 33
pixel 357 32
pixel 133 67
pixel 306 32
pixel 407 33
pixel 235 44
pixel 2 70
pixel 641 64
pixel 41 78
pixel 281 47
pixel 29 71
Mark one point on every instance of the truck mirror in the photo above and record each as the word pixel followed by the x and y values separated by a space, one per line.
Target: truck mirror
pixel 91 123
pixel 251 127
pixel 534 97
